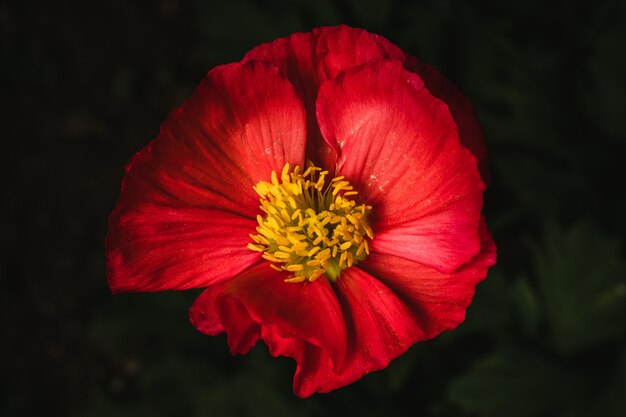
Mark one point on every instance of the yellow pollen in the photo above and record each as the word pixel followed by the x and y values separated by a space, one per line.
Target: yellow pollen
pixel 310 226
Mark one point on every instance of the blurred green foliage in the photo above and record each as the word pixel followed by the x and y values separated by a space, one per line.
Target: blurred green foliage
pixel 86 85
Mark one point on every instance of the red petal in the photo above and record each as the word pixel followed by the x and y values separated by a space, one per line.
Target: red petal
pixel 462 110
pixel 203 314
pixel 380 328
pixel 155 248
pixel 400 148
pixel 305 321
pixel 258 303
pixel 178 223
pixel 437 300
pixel 339 333
pixel 242 122
pixel 309 59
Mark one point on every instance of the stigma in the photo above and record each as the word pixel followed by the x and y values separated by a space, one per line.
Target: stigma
pixel 310 226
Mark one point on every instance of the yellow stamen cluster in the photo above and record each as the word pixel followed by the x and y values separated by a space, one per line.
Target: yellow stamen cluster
pixel 310 227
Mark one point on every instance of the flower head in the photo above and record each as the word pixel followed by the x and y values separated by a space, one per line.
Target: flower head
pixel 326 192
pixel 310 228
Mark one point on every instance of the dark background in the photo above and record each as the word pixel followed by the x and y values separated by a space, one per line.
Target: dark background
pixel 85 85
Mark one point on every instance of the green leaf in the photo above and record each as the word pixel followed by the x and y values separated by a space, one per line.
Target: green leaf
pixel 582 284
pixel 517 384
pixel 527 306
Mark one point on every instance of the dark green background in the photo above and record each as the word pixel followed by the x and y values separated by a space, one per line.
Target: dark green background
pixel 84 85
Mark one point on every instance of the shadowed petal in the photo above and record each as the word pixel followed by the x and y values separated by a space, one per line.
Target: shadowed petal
pixel 202 313
pixel 461 109
pixel 259 304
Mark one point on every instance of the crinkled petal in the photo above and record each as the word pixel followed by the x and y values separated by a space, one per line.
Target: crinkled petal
pixel 437 300
pixel 203 314
pixel 187 204
pixel 309 59
pixel 380 328
pixel 260 304
pixel 339 332
pixel 399 147
pixel 336 333
pixel 389 304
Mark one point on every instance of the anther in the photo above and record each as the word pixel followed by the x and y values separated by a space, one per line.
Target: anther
pixel 311 226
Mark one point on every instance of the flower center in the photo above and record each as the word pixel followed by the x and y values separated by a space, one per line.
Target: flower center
pixel 310 227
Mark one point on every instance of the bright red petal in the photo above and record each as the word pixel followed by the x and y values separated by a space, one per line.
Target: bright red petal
pixel 242 122
pixel 155 248
pixel 437 300
pixel 462 110
pixel 400 150
pixel 380 328
pixel 259 304
pixel 309 59
pixel 187 204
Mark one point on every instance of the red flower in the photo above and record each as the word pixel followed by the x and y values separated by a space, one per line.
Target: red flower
pixel 341 269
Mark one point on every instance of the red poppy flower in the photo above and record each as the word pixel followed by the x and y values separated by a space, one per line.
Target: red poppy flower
pixel 326 191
